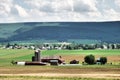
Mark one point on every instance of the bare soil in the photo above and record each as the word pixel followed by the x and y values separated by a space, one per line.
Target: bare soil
pixel 48 71
pixel 106 76
pixel 81 58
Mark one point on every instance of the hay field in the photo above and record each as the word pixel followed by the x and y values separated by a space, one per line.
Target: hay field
pixel 85 72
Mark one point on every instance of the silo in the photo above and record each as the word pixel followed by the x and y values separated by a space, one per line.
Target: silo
pixel 37 55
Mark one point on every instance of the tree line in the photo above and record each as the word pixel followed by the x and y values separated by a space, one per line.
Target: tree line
pixel 71 46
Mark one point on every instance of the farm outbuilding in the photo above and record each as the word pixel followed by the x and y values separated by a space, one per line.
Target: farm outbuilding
pixel 36 60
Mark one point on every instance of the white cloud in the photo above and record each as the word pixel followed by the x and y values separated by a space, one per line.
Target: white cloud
pixel 84 5
pixel 22 12
pixel 117 2
pixel 50 5
pixel 5 7
pixel 59 10
pixel 111 14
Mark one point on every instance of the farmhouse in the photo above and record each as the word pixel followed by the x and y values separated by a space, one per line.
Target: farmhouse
pixel 37 60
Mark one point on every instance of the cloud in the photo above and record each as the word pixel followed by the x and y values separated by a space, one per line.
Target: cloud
pixel 50 5
pixel 59 10
pixel 5 7
pixel 84 5
pixel 40 5
pixel 111 14
pixel 117 2
pixel 21 11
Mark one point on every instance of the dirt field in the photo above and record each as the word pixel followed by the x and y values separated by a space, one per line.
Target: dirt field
pixel 57 75
pixel 81 58
pixel 101 72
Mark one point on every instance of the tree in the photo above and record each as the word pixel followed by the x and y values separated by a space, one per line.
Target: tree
pixel 103 60
pixel 90 59
pixel 8 45
pixel 68 47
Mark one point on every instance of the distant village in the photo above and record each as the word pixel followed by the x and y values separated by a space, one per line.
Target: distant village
pixel 60 46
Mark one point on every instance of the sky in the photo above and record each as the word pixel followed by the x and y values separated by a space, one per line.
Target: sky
pixel 59 10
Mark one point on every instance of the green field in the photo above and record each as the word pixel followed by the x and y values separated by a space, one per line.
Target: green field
pixel 108 72
pixel 7 55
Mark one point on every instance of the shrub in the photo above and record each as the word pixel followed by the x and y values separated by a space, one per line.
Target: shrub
pixel 74 62
pixel 13 62
pixel 89 59
pixel 103 60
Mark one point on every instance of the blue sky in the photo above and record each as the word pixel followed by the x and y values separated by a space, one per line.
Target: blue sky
pixel 59 10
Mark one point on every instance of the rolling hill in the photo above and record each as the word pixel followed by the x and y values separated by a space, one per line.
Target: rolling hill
pixel 61 31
